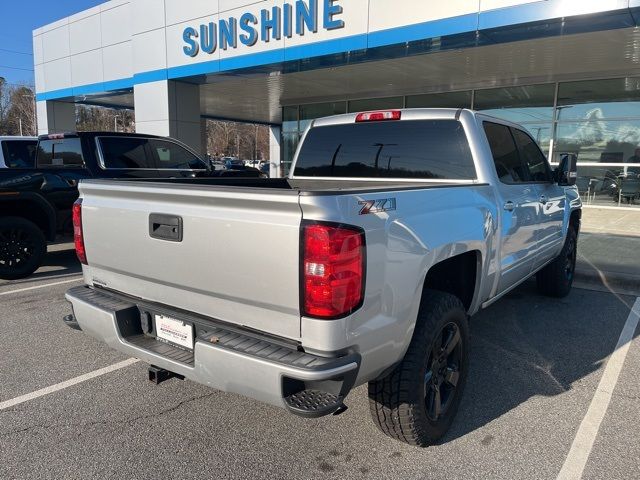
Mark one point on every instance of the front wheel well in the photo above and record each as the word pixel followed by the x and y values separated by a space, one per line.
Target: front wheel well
pixel 457 276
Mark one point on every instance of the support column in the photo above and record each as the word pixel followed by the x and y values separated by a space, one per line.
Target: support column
pixel 169 109
pixel 275 155
pixel 56 117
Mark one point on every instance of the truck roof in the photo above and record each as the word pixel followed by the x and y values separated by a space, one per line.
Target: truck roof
pixel 16 137
pixel 62 135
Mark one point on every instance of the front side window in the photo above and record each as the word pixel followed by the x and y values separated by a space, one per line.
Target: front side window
pixel 172 156
pixel 19 153
pixel 505 153
pixel 425 149
pixel 533 158
pixel 66 152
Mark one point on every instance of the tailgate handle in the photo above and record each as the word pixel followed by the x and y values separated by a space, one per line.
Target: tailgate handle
pixel 165 227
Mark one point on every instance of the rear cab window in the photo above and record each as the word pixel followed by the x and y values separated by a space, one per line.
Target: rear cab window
pixel 407 149
pixel 19 153
pixel 60 153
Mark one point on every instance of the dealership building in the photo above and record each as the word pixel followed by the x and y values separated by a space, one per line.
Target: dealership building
pixel 567 70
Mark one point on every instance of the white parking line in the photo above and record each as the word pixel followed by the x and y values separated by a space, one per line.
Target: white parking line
pixel 69 383
pixel 576 461
pixel 40 286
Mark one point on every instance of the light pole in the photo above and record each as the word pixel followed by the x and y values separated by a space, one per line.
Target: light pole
pixel 115 123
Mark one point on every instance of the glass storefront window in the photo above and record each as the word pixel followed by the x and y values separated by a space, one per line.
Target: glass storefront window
pixel 290 119
pixel 609 186
pixel 319 110
pixel 289 146
pixel 598 99
pixel 532 103
pixel 441 100
pixel 375 104
pixel 599 141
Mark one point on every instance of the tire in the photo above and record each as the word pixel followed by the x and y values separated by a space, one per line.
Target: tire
pixel 22 248
pixel 556 279
pixel 403 404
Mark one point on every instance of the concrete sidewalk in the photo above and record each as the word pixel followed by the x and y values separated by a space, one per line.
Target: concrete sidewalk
pixel 609 251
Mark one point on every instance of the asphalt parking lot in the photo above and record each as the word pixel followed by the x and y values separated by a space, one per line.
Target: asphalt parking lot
pixel 536 366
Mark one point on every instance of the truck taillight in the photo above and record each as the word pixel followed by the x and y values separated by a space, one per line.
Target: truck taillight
pixel 78 237
pixel 333 270
pixel 382 116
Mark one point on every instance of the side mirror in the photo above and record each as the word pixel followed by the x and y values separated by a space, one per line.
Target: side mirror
pixel 567 171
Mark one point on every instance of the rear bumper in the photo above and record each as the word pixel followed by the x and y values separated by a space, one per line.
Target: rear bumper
pixel 224 358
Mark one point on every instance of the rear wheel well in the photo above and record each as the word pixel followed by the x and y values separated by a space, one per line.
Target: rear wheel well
pixel 457 276
pixel 574 221
pixel 29 211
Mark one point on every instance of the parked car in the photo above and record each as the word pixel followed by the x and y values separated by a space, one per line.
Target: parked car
pixel 17 152
pixel 36 200
pixel 393 228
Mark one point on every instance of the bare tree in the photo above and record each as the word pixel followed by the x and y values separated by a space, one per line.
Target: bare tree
pixel 21 114
pixel 102 119
pixel 246 140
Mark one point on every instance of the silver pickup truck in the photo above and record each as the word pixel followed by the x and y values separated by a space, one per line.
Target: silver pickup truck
pixel 363 266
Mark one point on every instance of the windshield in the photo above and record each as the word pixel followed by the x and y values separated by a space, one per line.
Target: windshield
pixel 429 149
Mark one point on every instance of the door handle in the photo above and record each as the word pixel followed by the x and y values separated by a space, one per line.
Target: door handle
pixel 543 200
pixel 509 206
pixel 165 227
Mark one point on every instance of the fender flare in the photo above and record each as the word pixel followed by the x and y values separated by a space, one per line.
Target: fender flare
pixel 40 202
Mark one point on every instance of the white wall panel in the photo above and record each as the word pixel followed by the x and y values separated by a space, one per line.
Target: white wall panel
pixel 410 12
pixel 116 25
pixel 178 11
pixel 494 4
pixel 38 53
pixel 148 15
pixel 260 46
pixel 57 74
pixel 152 102
pixel 118 61
pixel 86 68
pixel 355 15
pixel 84 14
pixel 150 51
pixel 175 53
pixel 112 4
pixel 38 71
pixel 225 5
pixel 56 43
pixel 85 34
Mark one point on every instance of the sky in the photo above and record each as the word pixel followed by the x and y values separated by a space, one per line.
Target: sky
pixel 18 19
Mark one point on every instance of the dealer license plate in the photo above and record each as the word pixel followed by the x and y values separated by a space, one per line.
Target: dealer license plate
pixel 174 331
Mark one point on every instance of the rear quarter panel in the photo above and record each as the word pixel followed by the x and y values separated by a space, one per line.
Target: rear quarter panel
pixel 428 226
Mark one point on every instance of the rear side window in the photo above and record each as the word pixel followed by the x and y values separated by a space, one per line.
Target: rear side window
pixel 172 156
pixel 65 152
pixel 428 149
pixel 505 153
pixel 126 153
pixel 19 153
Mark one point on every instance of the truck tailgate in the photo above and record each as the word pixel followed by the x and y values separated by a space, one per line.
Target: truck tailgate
pixel 237 261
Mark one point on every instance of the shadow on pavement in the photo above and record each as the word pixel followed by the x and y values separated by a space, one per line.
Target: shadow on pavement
pixel 57 263
pixel 527 345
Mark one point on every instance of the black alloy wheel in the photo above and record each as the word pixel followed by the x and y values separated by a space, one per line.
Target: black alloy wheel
pixel 441 379
pixel 22 248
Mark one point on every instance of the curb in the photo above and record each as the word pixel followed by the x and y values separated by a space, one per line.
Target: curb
pixel 617 282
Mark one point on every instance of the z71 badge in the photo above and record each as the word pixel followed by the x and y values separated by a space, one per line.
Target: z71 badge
pixel 377 206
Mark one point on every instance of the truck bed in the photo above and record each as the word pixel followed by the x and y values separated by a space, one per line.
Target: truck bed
pixel 299 186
